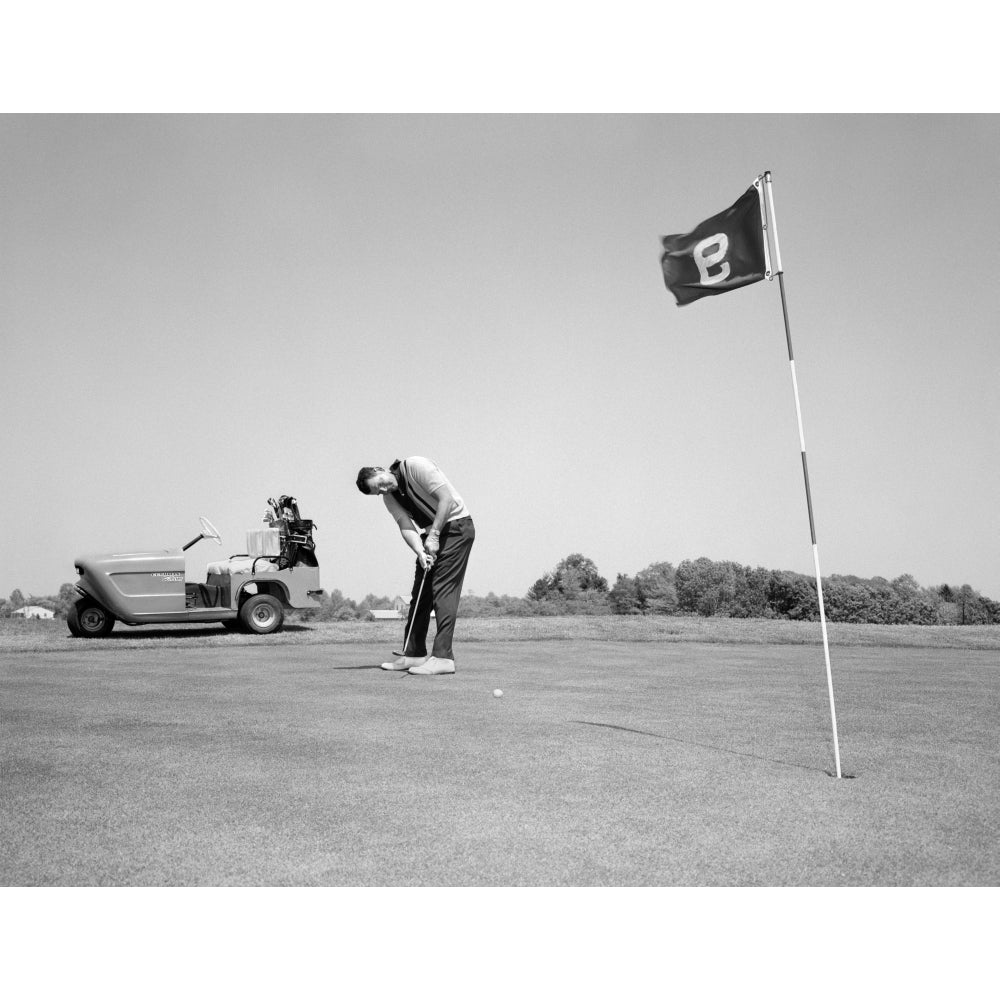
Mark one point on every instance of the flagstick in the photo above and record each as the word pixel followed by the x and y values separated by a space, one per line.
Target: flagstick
pixel 805 466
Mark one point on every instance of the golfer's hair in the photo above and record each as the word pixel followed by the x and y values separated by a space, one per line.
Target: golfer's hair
pixel 365 474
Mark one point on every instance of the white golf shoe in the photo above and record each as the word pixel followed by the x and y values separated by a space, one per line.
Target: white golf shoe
pixel 405 663
pixel 434 665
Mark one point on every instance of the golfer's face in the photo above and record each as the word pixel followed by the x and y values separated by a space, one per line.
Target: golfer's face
pixel 381 483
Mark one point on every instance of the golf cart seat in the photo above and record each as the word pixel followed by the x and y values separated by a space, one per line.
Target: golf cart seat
pixel 237 565
pixel 262 555
pixel 284 541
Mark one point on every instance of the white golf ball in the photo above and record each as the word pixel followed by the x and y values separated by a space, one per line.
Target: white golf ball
pixel 497 693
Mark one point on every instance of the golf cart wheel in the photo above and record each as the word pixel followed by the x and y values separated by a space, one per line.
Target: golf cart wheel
pixel 261 614
pixel 88 620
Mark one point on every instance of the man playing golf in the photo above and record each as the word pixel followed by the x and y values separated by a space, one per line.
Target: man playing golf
pixel 436 524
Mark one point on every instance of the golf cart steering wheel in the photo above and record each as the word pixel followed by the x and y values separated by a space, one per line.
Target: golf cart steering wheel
pixel 209 530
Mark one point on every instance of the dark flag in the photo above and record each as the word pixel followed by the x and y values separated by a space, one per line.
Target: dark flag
pixel 723 253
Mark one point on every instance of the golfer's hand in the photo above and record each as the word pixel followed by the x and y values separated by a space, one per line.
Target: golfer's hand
pixel 426 560
pixel 432 545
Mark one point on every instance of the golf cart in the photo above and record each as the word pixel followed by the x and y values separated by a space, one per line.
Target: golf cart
pixel 249 592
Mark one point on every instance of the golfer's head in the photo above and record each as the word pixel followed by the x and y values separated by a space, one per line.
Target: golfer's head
pixel 374 480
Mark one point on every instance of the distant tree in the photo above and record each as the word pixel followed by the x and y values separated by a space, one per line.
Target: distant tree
pixel 333 607
pixel 575 575
pixel 474 606
pixel 750 600
pixel 656 586
pixel 706 587
pixel 342 608
pixel 589 602
pixel 846 599
pixel 913 605
pixel 692 581
pixel 973 609
pixel 947 594
pixel 708 603
pixel 514 606
pixel 373 603
pixel 68 596
pixel 492 606
pixel 624 596
pixel 16 600
pixel 792 595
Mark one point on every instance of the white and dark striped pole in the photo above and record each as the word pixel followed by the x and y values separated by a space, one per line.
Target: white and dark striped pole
pixel 770 221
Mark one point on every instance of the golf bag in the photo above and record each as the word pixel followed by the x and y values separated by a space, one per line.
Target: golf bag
pixel 297 545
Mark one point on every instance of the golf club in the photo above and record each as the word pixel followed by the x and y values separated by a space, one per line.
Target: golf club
pixel 413 612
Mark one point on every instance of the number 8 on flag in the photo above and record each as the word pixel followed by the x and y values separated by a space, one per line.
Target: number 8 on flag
pixel 724 252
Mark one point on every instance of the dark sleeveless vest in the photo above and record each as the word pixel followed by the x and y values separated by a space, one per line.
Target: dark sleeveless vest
pixel 413 506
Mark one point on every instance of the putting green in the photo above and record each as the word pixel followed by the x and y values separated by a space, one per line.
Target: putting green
pixel 604 763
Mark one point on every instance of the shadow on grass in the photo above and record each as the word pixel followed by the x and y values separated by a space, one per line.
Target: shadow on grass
pixel 704 746
pixel 200 632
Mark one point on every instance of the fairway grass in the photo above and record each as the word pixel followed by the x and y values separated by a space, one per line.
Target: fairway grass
pixel 187 758
pixel 53 636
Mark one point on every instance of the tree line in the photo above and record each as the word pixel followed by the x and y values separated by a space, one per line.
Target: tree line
pixel 59 603
pixel 694 587
pixel 712 588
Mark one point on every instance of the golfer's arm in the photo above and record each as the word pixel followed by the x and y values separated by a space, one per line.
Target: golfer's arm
pixel 406 526
pixel 446 504
pixel 412 538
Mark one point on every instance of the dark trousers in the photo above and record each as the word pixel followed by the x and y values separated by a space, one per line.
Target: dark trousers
pixel 441 592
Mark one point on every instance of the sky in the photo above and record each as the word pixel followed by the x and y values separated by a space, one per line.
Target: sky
pixel 199 312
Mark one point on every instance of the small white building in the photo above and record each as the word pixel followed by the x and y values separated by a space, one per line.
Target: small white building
pixel 400 609
pixel 34 611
